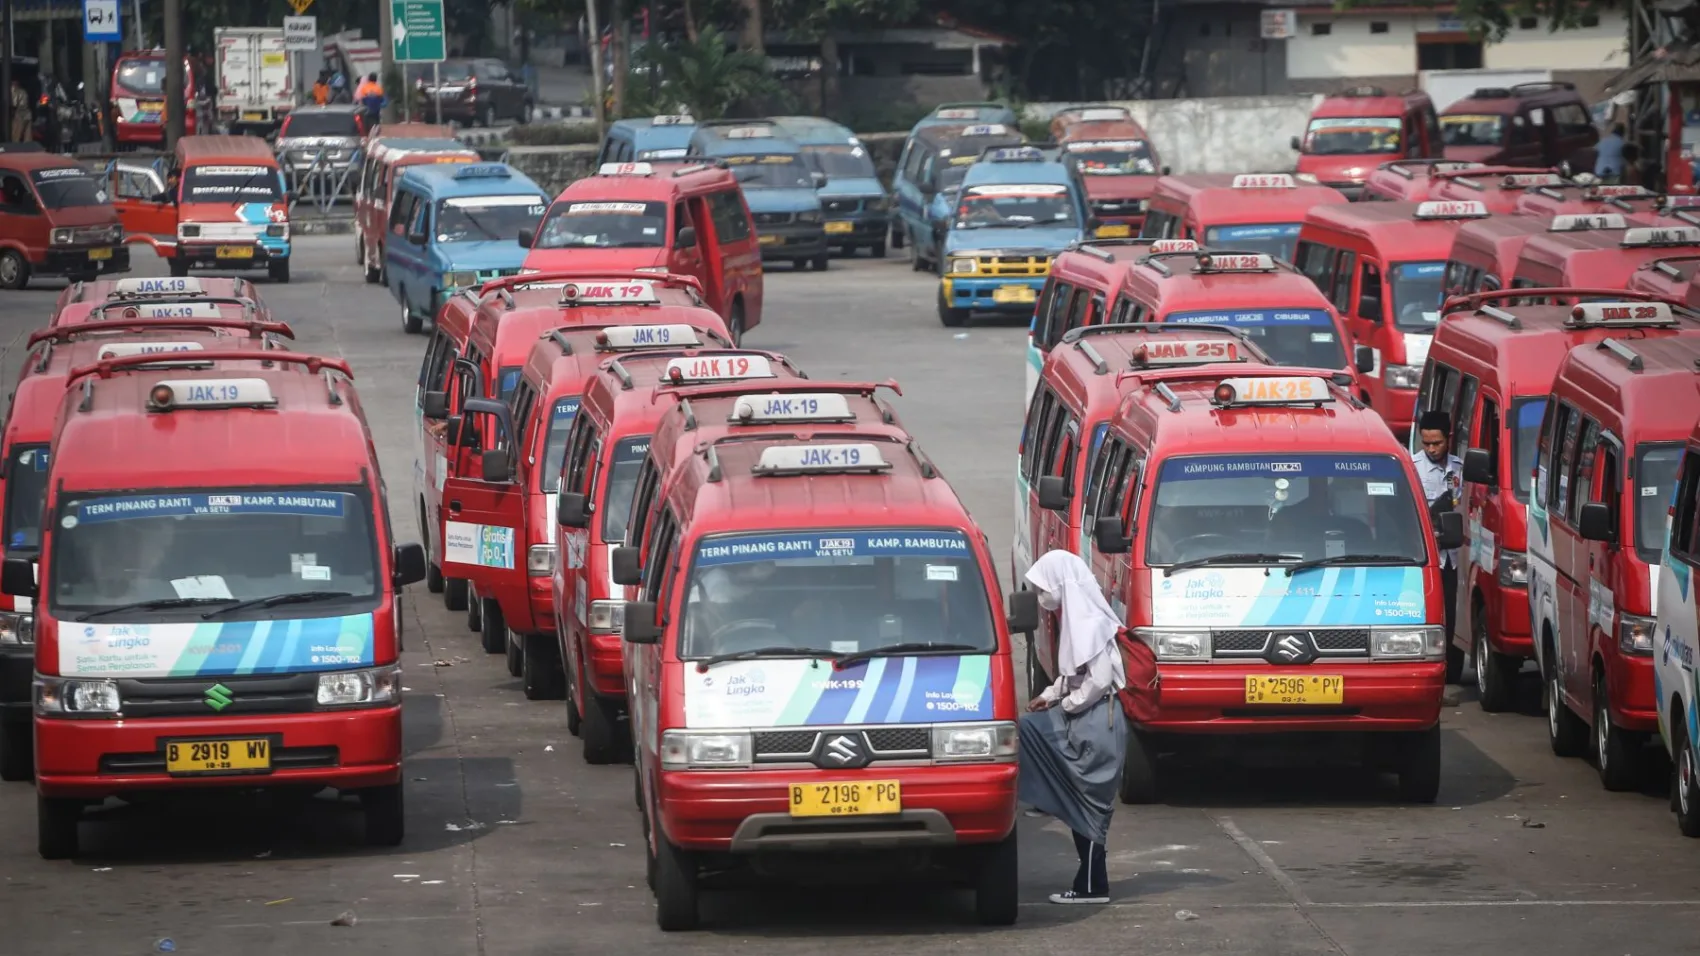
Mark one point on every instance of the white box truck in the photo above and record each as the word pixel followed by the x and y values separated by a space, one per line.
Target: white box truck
pixel 256 86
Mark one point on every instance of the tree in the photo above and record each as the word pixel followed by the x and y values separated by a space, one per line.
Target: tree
pixel 821 19
pixel 1492 19
pixel 708 77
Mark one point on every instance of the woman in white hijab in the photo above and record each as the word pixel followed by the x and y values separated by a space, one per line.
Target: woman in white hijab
pixel 1074 734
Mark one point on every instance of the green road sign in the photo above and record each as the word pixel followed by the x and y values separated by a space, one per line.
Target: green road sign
pixel 416 29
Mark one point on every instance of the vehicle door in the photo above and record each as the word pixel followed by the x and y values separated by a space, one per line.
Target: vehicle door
pixel 135 190
pixel 402 259
pixel 450 441
pixel 1484 513
pixel 660 585
pixel 1120 500
pixel 1582 442
pixel 1029 465
pixel 1607 561
pixel 1367 321
pixel 1463 413
pixel 484 510
pixel 1523 140
pixel 1054 530
pixel 915 192
pixel 22 222
pixel 688 258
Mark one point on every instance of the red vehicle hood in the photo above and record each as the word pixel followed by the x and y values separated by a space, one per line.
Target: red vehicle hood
pixel 102 215
pixel 614 260
pixel 1474 154
pixel 1119 187
pixel 1341 169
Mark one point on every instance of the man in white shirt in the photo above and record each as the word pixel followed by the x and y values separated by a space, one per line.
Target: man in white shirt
pixel 1442 475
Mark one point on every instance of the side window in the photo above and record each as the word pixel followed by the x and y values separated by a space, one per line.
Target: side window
pixel 918 156
pixel 1581 468
pixel 1342 297
pixel 1122 310
pixel 1369 292
pixel 681 219
pixel 1489 283
pixel 1464 415
pixel 1572 120
pixel 1033 431
pixel 1102 464
pixel 1055 318
pixel 658 557
pixel 648 478
pixel 1608 479
pixel 730 223
pixel 1487 431
pixel 1431 127
pixel 1051 437
pixel 1076 313
pixel 1457 279
pixel 1685 510
pixel 1317 261
pixel 1042 311
pixel 418 228
pixel 581 455
pixel 1096 317
pixel 1563 455
pixel 1068 449
pixel 401 212
pixel 1126 498
pixel 1432 390
pixel 520 405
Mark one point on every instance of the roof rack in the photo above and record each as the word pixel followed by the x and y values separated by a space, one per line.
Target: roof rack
pixel 1500 315
pixel 506 284
pixel 1542 86
pixel 1664 267
pixel 559 337
pixel 61 333
pixel 1473 301
pixel 1631 358
pixel 1075 335
pixel 160 401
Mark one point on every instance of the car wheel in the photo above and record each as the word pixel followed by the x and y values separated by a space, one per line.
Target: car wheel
pixel 799 265
pixel 474 610
pixel 877 250
pixel 14 270
pixel 371 265
pixel 1495 673
pixel 1419 766
pixel 17 749
pixel 488 116
pixel 278 271
pixel 1139 769
pixel 493 629
pixel 56 823
pixel 515 654
pixel 411 322
pixel 575 723
pixel 821 263
pixel 1565 731
pixel 895 232
pixel 1617 753
pixel 434 579
pixel 454 593
pixel 949 317
pixel 604 742
pixel 676 887
pixel 735 324
pixel 1686 786
pixel 997 883
pixel 540 667
pixel 386 813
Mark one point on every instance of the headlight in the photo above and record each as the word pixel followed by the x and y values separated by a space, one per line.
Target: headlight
pixel 459 280
pixel 607 617
pixel 1403 376
pixel 115 232
pixel 277 230
pixel 540 559
pixel 63 697
pixel 812 215
pixel 961 266
pixel 374 685
pixel 188 232
pixel 1635 635
pixel 1176 645
pixel 1407 643
pixel 658 270
pixel 16 629
pixel 61 237
pixel 1513 569
pixel 952 742
pixel 682 749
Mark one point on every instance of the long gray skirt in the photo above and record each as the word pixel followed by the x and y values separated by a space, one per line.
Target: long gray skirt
pixel 1071 766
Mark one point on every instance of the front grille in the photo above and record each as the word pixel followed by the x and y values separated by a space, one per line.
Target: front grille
pixel 1014 265
pixel 883 743
pixel 841 205
pixel 1239 642
pixel 242 231
pixel 1118 208
pixel 283 758
pixel 1330 642
pixel 485 275
pixel 1346 639
pixel 773 743
pixel 141 698
pixel 901 740
pixel 771 218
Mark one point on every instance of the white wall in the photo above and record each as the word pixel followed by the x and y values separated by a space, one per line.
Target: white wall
pixel 1352 51
pixel 1604 47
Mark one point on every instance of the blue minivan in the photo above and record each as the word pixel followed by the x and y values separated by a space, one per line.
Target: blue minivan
pixel 647 140
pixel 1016 211
pixel 452 227
pixel 967 114
pixel 853 199
pixel 929 171
pixel 778 186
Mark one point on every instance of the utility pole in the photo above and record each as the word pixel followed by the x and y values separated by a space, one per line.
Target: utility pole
pixel 386 44
pixel 6 71
pixel 174 98
pixel 595 68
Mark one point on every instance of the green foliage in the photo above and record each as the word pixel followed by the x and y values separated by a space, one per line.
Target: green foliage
pixel 811 17
pixel 708 78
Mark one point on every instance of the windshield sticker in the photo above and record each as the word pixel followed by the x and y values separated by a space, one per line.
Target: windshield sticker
pixel 831 544
pixel 315 572
pixel 313 503
pixel 1104 144
pixel 1355 122
pixel 1320 337
pixel 1035 189
pixel 565 409
pixel 1274 230
pixel 941 572
pixel 229 170
pixel 1256 317
pixel 1298 466
pixel 202 586
pixel 1250 597
pixel 800 693
pixel 490 202
pixel 215 649
pixel 488 546
pixel 67 172
pixel 596 208
pixel 1380 489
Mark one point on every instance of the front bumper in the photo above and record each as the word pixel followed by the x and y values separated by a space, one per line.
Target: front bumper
pixel 95 759
pixel 1630 682
pixel 793 241
pixel 857 229
pixel 1210 699
pixel 203 252
pixel 76 261
pixel 747 811
pixel 1396 405
pixel 992 293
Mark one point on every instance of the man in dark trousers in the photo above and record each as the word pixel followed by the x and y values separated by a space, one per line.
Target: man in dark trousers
pixel 1442 475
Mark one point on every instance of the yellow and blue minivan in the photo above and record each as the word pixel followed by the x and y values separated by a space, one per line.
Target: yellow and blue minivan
pixel 929 174
pixel 650 139
pixel 778 186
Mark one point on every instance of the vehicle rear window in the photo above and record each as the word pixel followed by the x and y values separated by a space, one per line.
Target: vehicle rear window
pixel 1526 414
pixel 604 225
pixel 1352 136
pixel 1301 337
pixel 320 124
pixel 1655 479
pixel 1276 239
pixel 26 495
pixel 1472 129
pixel 555 444
pixel 622 484
pixel 771 170
pixel 67 187
pixel 1112 158
pixel 487 218
pixel 231 184
pixel 840 162
pixel 142 76
pixel 451 72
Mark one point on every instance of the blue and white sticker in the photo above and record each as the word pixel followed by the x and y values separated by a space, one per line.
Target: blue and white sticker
pixel 1255 317
pixel 321 504
pixel 487 546
pixel 744 548
pixel 1258 597
pixel 1284 466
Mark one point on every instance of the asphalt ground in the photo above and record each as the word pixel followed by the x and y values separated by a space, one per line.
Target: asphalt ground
pixel 515 846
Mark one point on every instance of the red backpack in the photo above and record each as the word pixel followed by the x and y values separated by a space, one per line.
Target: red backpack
pixel 1143 692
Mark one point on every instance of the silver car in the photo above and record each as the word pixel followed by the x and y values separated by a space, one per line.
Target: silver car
pixel 309 131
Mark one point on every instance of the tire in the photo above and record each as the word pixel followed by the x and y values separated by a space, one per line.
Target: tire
pixel 474 611
pixel 997 883
pixel 14 270
pixel 916 263
pixel 56 823
pixel 493 629
pixel 735 324
pixel 1419 766
pixel 1686 795
pixel 454 594
pixel 540 667
pixel 575 723
pixel 411 322
pixel 605 741
pixel 1617 753
pixel 527 112
pixel 17 750
pixel 360 250
pixel 948 317
pixel 1035 676
pixel 371 265
pixel 895 233
pixel 278 271
pixel 515 652
pixel 821 263
pixel 1496 674
pixel 178 267
pixel 877 250
pixel 434 579
pixel 799 265
pixel 1139 770
pixel 386 815
pixel 1565 731
pixel 675 888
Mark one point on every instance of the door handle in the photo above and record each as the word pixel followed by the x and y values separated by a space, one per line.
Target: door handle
pixel 454 507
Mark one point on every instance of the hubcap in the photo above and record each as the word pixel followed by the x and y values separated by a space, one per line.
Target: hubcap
pixel 1602 728
pixel 1480 652
pixel 1553 704
pixel 8 270
pixel 1685 778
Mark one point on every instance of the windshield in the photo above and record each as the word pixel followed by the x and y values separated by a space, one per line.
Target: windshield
pixel 983 207
pixel 231 184
pixel 1418 288
pixel 1107 158
pixel 555 445
pixel 621 484
pixel 1655 479
pixel 770 170
pixel 839 591
pixel 487 218
pixel 1276 239
pixel 1302 337
pixel 451 72
pixel 1472 129
pixel 320 124
pixel 1308 506
pixel 26 493
pixel 604 225
pixel 1526 415
pixel 62 188
pixel 142 76
pixel 1352 136
pixel 840 162
pixel 234 544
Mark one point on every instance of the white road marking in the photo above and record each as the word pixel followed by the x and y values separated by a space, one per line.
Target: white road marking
pixel 1264 860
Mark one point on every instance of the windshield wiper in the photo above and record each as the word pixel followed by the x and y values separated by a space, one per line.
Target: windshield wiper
pixel 776 651
pixel 294 597
pixel 1351 559
pixel 1234 557
pixel 157 604
pixel 907 647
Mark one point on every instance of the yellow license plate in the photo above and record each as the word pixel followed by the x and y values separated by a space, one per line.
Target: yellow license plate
pixel 151 107
pixel 254 115
pixel 235 252
pixel 839 228
pixel 218 756
pixel 1013 293
pixel 100 253
pixel 1115 230
pixel 846 798
pixel 1308 689
pixel 769 240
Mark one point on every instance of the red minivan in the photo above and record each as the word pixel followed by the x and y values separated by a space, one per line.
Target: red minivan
pixel 55 219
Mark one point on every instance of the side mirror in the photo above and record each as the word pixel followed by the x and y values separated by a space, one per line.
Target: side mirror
pixel 572 510
pixel 1023 612
pixel 1450 533
pixel 496 466
pixel 1478 466
pixel 819 179
pixel 1594 522
pixel 1369 307
pixel 1110 537
pixel 640 626
pixel 1053 493
pixel 1363 359
pixel 17 577
pixel 435 405
pixel 526 237
pixel 625 567
pixel 408 564
pixel 1295 143
pixel 1565 170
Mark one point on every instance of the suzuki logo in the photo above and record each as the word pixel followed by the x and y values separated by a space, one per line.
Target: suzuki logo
pixel 1291 649
pixel 842 750
pixel 219 697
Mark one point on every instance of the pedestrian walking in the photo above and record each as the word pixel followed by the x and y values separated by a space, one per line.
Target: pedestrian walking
pixel 1442 477
pixel 370 96
pixel 1074 734
pixel 322 88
